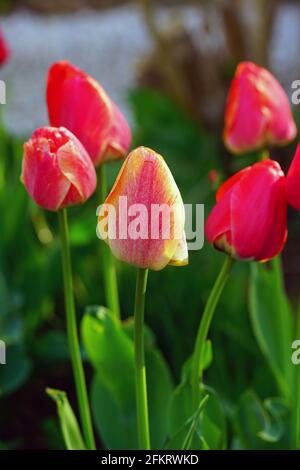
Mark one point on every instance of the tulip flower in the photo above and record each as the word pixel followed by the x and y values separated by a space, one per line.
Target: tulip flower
pixel 57 171
pixel 142 220
pixel 78 102
pixel 293 181
pixel 4 50
pixel 146 180
pixel 258 112
pixel 249 220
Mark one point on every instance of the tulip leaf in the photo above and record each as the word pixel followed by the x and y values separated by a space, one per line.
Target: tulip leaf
pixel 68 422
pixel 260 424
pixel 110 348
pixel 193 424
pixel 210 429
pixel 207 359
pixel 271 319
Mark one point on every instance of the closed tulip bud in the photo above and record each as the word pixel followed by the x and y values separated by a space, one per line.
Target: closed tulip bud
pixel 78 102
pixel 143 216
pixel 293 181
pixel 248 221
pixel 258 112
pixel 4 50
pixel 57 170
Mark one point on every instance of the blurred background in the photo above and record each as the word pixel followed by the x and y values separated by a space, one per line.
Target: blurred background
pixel 168 65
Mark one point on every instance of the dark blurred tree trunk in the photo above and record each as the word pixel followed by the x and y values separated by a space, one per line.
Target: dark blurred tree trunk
pixel 248 26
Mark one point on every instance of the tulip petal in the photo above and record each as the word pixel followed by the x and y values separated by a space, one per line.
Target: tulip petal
pixel 74 163
pixel 181 256
pixel 218 224
pixel 42 176
pixel 258 212
pixel 293 181
pixel 120 136
pixel 230 182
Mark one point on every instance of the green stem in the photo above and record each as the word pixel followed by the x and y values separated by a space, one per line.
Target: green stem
pixel 206 322
pixel 108 263
pixel 262 154
pixel 140 368
pixel 72 333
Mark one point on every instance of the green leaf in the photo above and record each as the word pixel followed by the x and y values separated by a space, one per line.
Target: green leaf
pixel 260 424
pixel 207 359
pixel 271 319
pixel 68 422
pixel 211 427
pixel 194 423
pixel 110 348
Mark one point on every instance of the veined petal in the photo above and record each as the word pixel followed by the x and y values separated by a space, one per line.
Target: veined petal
pixel 42 177
pixel 151 194
pixel 181 255
pixel 56 169
pixel 74 163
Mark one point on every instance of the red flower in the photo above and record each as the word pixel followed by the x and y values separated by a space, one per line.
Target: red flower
pixel 4 50
pixel 57 171
pixel 78 102
pixel 258 112
pixel 249 219
pixel 293 181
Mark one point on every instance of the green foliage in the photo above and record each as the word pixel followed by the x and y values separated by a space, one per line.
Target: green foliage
pixel 272 320
pixel 68 422
pixel 238 412
pixel 109 346
pixel 260 425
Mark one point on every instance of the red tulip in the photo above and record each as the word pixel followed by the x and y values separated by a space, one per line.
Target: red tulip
pixel 57 171
pixel 249 220
pixel 293 181
pixel 4 50
pixel 137 234
pixel 258 112
pixel 78 102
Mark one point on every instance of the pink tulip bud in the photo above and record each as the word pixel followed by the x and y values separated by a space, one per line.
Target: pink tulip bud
pixel 249 219
pixel 258 112
pixel 144 215
pixel 57 171
pixel 78 102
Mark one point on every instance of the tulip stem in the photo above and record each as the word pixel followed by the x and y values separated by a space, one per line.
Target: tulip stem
pixel 72 334
pixel 108 263
pixel 140 368
pixel 205 323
